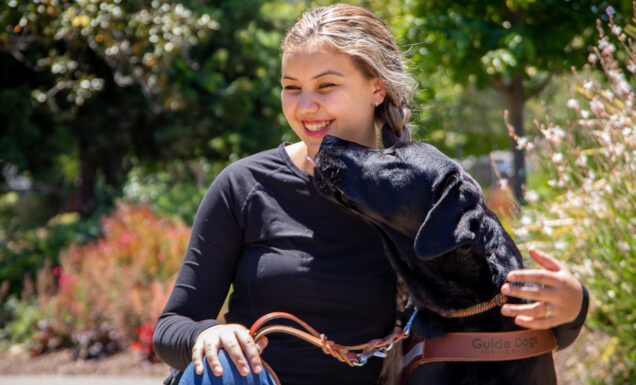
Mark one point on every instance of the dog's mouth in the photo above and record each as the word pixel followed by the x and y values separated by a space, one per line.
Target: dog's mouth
pixel 328 181
pixel 330 174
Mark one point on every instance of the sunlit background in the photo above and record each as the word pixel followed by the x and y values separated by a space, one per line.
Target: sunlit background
pixel 115 116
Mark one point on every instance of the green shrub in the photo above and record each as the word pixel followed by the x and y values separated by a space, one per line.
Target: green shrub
pixel 587 213
pixel 24 250
pixel 176 190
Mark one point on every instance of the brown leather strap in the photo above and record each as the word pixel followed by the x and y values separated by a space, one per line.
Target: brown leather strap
pixel 497 346
pixel 346 354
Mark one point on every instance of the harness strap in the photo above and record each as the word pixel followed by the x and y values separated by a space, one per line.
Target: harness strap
pixel 463 346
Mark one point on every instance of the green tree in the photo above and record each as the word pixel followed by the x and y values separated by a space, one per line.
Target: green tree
pixel 111 83
pixel 515 46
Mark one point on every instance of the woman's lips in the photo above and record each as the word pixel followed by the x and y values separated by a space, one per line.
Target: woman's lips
pixel 319 132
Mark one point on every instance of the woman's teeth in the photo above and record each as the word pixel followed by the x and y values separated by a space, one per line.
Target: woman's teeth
pixel 316 126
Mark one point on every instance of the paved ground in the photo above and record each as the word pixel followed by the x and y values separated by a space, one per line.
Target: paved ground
pixel 79 380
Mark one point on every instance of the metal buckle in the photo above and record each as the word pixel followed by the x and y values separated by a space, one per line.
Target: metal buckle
pixel 407 328
pixel 362 360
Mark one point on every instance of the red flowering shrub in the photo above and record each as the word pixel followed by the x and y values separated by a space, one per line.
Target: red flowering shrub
pixel 117 285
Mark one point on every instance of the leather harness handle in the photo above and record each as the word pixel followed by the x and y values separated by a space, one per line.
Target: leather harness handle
pixel 478 346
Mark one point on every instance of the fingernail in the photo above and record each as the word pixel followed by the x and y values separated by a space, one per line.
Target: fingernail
pixel 505 310
pixel 198 369
pixel 245 370
pixel 257 368
pixel 218 370
pixel 505 288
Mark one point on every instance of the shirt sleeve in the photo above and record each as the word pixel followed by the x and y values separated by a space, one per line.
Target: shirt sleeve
pixel 205 275
pixel 565 334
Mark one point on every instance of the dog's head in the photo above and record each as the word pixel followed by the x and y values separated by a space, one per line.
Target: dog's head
pixel 444 240
pixel 372 183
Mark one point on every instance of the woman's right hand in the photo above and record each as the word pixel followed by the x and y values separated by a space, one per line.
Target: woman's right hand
pixel 237 342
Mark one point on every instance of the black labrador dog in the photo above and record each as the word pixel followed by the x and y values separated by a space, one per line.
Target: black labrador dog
pixel 449 249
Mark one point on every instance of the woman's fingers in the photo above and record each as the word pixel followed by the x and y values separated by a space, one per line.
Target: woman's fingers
pixel 212 356
pixel 542 277
pixel 556 293
pixel 197 357
pixel 534 322
pixel 261 344
pixel 545 260
pixel 535 309
pixel 236 341
pixel 250 349
pixel 233 349
pixel 534 293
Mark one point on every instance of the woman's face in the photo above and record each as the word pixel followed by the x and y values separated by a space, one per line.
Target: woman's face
pixel 325 94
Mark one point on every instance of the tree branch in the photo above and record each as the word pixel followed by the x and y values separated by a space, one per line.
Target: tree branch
pixel 16 45
pixel 500 86
pixel 537 90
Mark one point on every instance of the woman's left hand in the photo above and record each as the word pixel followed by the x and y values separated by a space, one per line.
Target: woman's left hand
pixel 558 297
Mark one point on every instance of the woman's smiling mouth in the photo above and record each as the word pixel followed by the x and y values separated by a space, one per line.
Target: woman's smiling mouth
pixel 316 127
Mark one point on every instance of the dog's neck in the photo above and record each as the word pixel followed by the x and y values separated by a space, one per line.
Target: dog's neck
pixel 435 294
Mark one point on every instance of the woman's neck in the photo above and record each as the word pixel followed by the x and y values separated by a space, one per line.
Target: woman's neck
pixel 298 154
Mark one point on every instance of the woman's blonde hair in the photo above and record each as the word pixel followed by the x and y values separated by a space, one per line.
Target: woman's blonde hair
pixel 367 40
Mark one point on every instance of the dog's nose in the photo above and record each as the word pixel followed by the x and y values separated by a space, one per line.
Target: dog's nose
pixel 331 140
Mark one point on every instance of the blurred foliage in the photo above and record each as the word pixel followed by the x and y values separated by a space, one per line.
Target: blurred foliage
pixel 173 190
pixel 24 251
pixel 113 288
pixel 586 210
pixel 514 46
pixel 95 86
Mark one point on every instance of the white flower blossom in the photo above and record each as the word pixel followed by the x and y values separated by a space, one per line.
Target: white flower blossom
pixel 531 196
pixel 597 107
pixel 592 58
pixel 573 104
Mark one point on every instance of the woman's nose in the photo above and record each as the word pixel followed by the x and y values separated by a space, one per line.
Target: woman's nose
pixel 307 104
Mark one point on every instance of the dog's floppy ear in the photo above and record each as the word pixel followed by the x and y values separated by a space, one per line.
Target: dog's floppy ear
pixel 451 222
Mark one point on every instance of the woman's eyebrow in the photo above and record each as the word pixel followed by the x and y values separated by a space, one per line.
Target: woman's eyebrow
pixel 328 72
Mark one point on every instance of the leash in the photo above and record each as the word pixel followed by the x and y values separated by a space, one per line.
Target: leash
pixel 352 355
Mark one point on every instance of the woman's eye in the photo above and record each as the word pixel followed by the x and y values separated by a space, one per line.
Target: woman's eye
pixel 326 85
pixel 291 88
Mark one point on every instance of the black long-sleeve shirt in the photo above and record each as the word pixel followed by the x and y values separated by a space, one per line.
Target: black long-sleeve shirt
pixel 264 228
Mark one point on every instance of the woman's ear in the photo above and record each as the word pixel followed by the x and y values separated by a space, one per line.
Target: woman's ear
pixel 379 90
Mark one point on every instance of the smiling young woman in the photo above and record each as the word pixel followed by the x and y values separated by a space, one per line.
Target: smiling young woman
pixel 321 88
